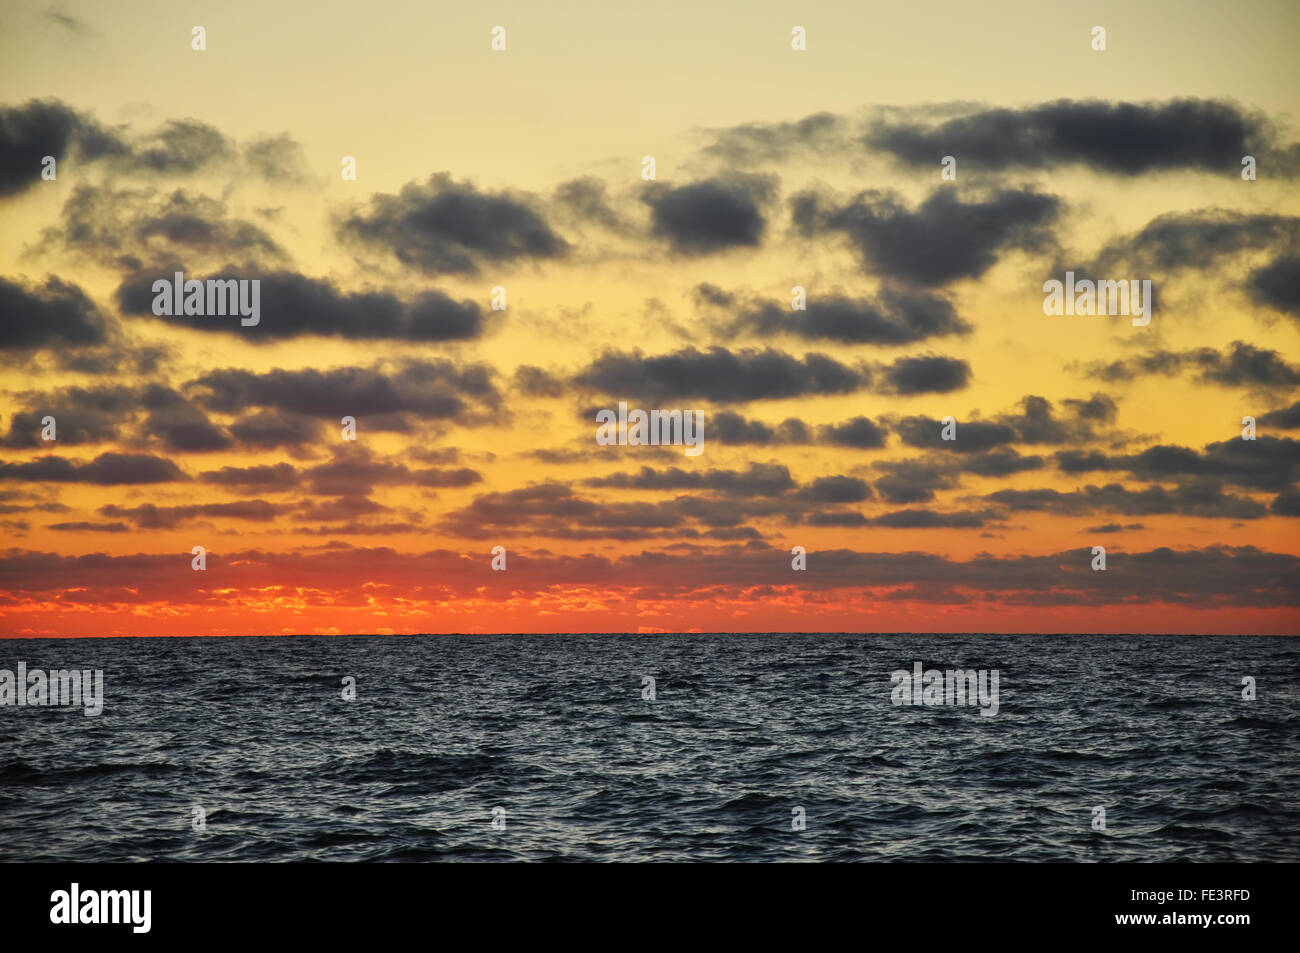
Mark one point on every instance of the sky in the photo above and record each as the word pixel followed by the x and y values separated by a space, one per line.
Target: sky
pixel 505 264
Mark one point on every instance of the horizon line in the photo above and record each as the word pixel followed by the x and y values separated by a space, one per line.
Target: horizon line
pixel 407 635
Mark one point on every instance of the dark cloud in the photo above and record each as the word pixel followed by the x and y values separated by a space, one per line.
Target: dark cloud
pixel 537 382
pixel 1277 284
pixel 843 519
pixel 98 414
pixel 189 222
pixel 942 241
pixel 39 128
pixel 123 227
pixel 82 415
pixel 732 428
pixel 971 436
pixel 355 471
pixel 1204 500
pixel 181 426
pixel 446 477
pixel 759 479
pixel 47 507
pixel 718 374
pixel 895 317
pixel 435 389
pixel 278 159
pixel 1167 363
pixel 917 481
pixel 71 429
pixel 1198 240
pixel 860 432
pixel 711 215
pixel 725 512
pixel 272 428
pixel 1099 407
pixel 152 516
pixel 182 146
pixel 1243 365
pixel 913 481
pixel 586 200
pixel 107 469
pixel 1118 138
pixel 1079 461
pixel 120 357
pixel 709 295
pixel 185 428
pixel 926 375
pixel 836 489
pixel 1035 422
pixel 53 314
pixel 999 463
pixel 1286 504
pixel 88 527
pixel 268 478
pixel 752 143
pixel 1288 418
pixel 931 519
pixel 42 128
pixel 552 509
pixel 1266 463
pixel 445 227
pixel 294 305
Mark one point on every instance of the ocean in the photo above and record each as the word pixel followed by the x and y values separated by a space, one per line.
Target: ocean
pixel 751 748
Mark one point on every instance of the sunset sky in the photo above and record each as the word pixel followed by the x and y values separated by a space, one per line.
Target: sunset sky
pixel 523 169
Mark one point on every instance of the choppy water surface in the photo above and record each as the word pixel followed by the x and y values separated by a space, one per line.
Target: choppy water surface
pixel 554 730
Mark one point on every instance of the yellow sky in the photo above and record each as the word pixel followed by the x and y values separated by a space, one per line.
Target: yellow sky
pixel 583 89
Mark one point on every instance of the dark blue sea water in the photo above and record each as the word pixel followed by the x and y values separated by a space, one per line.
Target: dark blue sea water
pixel 743 729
